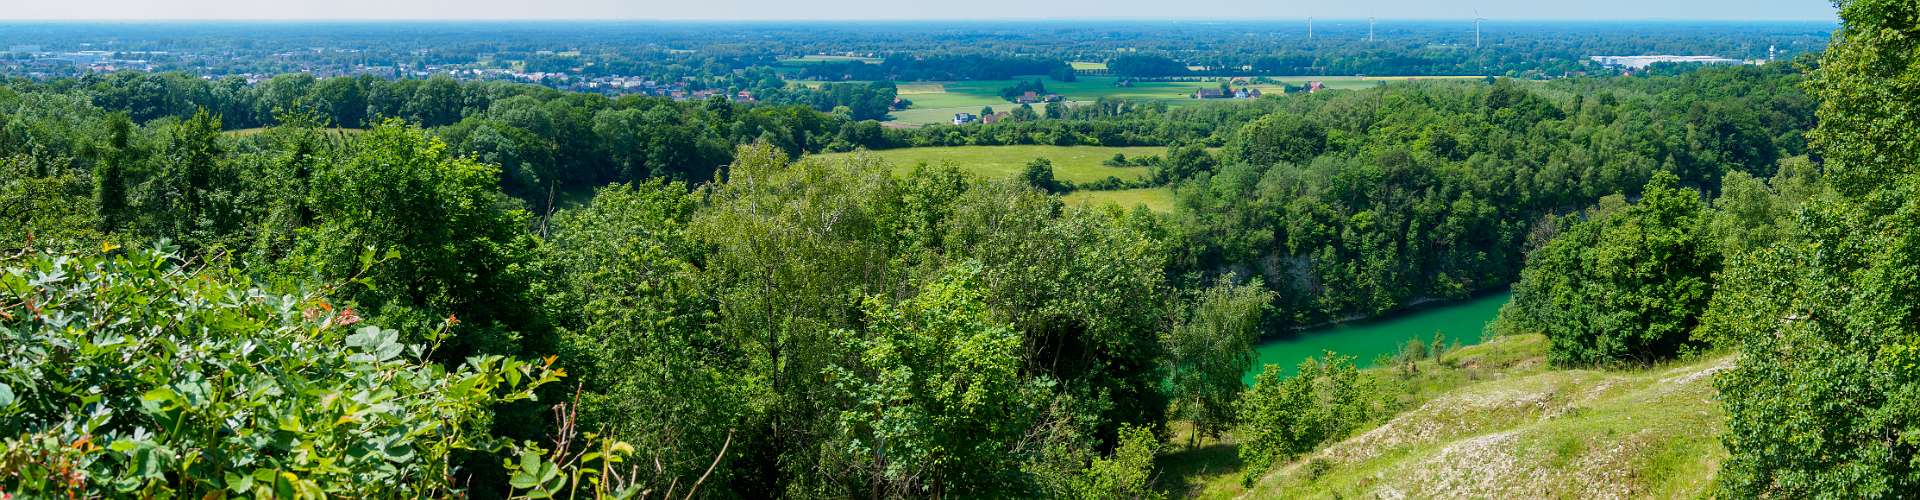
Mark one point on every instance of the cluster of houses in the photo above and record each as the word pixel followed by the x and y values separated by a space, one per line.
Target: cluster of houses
pixel 966 118
pixel 1241 93
pixel 1032 97
pixel 33 59
pixel 1247 92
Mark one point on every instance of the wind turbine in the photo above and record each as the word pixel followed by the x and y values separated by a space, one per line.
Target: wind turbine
pixel 1476 27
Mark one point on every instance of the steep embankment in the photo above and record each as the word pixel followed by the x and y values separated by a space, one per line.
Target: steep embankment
pixel 1493 421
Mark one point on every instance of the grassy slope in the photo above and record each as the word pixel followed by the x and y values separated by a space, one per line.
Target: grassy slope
pixel 1493 421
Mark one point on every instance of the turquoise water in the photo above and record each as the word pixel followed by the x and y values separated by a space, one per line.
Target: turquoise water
pixel 1367 339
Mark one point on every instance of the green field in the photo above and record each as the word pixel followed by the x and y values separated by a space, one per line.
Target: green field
pixel 1085 65
pixel 1079 164
pixel 1158 199
pixel 936 102
pixel 328 132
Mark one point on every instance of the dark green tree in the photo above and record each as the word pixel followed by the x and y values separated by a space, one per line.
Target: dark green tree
pixel 458 247
pixel 1825 401
pixel 110 175
pixel 1278 138
pixel 639 332
pixel 936 403
pixel 1039 174
pixel 1629 285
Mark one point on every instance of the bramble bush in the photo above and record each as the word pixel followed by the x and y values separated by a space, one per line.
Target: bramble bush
pixel 140 374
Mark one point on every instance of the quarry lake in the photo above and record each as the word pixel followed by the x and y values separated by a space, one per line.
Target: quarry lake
pixel 1370 338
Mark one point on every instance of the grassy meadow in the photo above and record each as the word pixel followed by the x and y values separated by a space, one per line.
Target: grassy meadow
pixel 1079 164
pixel 1158 199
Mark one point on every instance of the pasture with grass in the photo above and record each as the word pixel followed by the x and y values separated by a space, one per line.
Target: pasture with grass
pixel 1158 199
pixel 1078 164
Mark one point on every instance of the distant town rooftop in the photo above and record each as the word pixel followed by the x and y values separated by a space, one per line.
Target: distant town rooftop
pixel 1641 62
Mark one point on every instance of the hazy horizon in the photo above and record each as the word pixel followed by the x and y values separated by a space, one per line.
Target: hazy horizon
pixel 878 10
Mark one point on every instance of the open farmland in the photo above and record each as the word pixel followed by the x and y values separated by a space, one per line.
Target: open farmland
pixel 1158 199
pixel 1079 164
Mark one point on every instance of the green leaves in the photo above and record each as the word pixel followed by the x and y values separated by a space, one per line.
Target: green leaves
pixel 1626 285
pixel 251 393
pixel 1825 401
pixel 376 345
pixel 537 477
pixel 935 395
pixel 1210 349
pixel 1281 418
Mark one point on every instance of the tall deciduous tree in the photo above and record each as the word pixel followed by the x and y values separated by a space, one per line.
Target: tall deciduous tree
pixel 1209 351
pixel 1826 399
pixel 1629 285
pixel 935 401
pixel 793 246
pixel 460 247
pixel 638 327
pixel 1279 138
pixel 110 175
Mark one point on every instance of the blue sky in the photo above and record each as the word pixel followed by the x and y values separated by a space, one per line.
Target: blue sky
pixel 919 9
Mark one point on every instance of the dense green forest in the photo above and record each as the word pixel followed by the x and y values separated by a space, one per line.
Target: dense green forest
pixel 353 286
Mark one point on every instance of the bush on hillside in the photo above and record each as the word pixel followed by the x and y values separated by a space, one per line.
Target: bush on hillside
pixel 1284 417
pixel 139 375
pixel 1625 285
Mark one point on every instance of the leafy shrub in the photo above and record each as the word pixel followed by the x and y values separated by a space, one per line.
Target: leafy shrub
pixel 1209 351
pixel 1284 417
pixel 935 399
pixel 1626 285
pixel 135 374
pixel 1039 174
pixel 1129 472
